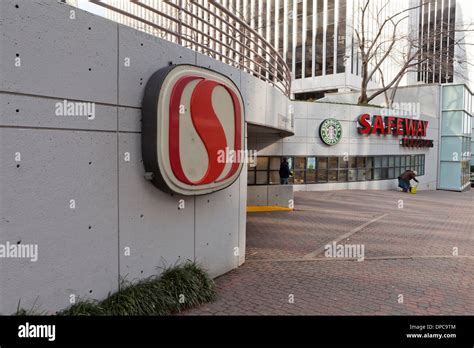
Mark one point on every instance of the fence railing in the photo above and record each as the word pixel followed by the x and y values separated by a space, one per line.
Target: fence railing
pixel 208 27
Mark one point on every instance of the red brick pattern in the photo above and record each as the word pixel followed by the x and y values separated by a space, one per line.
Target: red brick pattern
pixel 408 252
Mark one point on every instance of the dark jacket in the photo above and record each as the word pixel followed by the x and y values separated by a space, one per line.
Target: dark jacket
pixel 284 170
pixel 407 176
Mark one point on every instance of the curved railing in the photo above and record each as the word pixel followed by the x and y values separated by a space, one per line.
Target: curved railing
pixel 208 27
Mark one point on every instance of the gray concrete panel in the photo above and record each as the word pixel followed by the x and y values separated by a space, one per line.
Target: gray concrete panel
pixel 152 226
pixel 254 94
pixel 129 119
pixel 300 109
pixel 257 195
pixel 77 247
pixel 26 111
pixel 59 56
pixel 217 228
pixel 140 55
pixel 225 69
pixel 280 195
pixel 301 126
pixel 276 109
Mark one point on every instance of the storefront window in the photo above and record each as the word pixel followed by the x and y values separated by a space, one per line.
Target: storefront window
pixel 377 162
pixel 310 176
pixel 311 170
pixel 333 162
pixel 251 177
pixel 369 174
pixel 322 162
pixel 298 177
pixel 262 163
pixel 343 162
pixel 391 161
pixel 299 170
pixel 352 162
pixel 370 162
pixel 322 175
pixel 290 162
pixel 322 165
pixel 400 171
pixel 352 175
pixel 275 163
pixel 361 174
pixel 377 174
pixel 397 161
pixel 299 163
pixel 262 178
pixel 342 175
pixel 274 177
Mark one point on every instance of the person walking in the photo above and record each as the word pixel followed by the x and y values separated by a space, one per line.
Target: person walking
pixel 284 172
pixel 404 179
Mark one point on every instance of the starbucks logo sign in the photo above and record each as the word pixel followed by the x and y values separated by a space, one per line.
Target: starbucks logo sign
pixel 330 131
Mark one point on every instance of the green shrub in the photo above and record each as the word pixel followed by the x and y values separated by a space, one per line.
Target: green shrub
pixel 185 281
pixel 178 288
pixel 85 308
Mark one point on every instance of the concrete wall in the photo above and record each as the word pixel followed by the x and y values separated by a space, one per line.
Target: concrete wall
pixel 272 195
pixel 426 95
pixel 340 81
pixel 306 142
pixel 82 251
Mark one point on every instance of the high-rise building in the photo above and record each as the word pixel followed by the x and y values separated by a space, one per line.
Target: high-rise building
pixel 436 28
pixel 318 39
pixel 311 35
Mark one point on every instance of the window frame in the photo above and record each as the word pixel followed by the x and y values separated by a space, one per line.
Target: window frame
pixel 367 164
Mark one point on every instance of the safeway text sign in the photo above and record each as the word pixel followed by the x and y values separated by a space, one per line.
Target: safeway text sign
pixel 411 129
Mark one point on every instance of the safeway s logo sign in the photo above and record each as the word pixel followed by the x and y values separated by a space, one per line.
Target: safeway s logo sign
pixel 190 116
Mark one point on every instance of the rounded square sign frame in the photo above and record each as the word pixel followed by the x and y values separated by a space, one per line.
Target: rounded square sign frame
pixel 162 139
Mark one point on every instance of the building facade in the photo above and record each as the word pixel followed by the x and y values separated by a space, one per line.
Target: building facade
pixel 371 161
pixel 76 185
pixel 456 141
pixel 318 39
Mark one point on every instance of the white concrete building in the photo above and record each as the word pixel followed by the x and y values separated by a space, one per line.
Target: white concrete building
pixel 79 187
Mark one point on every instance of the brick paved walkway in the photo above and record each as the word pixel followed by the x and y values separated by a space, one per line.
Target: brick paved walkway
pixel 408 252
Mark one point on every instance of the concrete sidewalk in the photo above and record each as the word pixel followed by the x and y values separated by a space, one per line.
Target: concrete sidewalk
pixel 418 257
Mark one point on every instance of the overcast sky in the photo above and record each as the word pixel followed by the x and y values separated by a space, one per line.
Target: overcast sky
pixel 87 6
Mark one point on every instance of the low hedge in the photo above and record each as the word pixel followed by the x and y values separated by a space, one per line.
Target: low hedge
pixel 176 289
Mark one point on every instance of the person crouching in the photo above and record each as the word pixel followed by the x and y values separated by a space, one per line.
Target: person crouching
pixel 404 179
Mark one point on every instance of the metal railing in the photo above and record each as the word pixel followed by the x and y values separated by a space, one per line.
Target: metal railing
pixel 208 27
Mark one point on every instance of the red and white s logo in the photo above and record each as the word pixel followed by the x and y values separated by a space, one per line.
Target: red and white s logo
pixel 190 117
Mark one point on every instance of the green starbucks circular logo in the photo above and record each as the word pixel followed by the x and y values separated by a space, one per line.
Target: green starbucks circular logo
pixel 330 131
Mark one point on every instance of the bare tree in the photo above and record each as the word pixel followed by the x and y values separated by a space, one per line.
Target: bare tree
pixel 428 51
